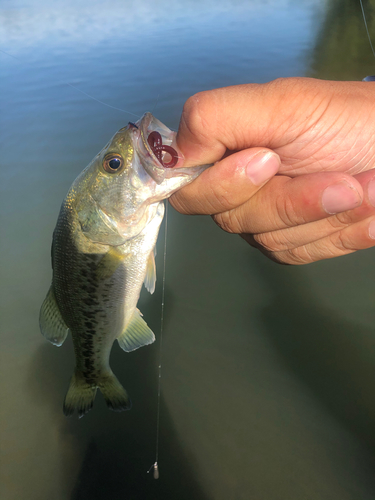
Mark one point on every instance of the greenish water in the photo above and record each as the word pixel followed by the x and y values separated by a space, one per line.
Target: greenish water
pixel 268 371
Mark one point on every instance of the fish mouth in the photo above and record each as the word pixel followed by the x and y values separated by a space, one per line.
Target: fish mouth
pixel 157 148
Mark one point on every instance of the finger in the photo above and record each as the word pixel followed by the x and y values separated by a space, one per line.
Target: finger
pixel 355 237
pixel 284 202
pixel 301 235
pixel 306 121
pixel 221 119
pixel 229 183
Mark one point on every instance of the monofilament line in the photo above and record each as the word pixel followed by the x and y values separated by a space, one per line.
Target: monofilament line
pixel 99 101
pixel 368 33
pixel 74 87
pixel 155 465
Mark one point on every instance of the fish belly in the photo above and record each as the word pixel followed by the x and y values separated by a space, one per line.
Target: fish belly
pixel 97 293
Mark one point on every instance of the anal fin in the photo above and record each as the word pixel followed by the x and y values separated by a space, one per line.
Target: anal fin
pixel 51 323
pixel 137 334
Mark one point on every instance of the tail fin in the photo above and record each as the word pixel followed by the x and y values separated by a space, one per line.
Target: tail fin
pixel 80 396
pixel 115 396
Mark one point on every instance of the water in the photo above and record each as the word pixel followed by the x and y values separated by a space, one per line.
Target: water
pixel 267 370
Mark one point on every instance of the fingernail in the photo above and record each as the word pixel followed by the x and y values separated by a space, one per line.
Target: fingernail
pixel 371 191
pixel 262 167
pixel 371 230
pixel 340 197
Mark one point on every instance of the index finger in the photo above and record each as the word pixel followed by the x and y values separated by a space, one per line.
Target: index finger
pixel 214 121
pixel 281 115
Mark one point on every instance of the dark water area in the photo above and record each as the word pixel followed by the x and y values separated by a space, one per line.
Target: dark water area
pixel 268 371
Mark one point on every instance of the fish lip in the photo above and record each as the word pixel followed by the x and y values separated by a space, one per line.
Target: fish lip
pixel 147 124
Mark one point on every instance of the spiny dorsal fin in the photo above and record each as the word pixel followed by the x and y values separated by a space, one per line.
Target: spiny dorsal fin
pixel 51 323
pixel 150 278
pixel 137 334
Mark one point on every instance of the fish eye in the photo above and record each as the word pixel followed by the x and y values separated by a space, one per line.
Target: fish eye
pixel 113 163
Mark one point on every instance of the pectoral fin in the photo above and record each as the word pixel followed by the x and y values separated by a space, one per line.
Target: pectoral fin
pixel 137 334
pixel 150 278
pixel 109 263
pixel 51 323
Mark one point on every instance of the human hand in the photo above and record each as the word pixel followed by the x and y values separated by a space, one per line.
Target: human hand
pixel 284 218
pixel 313 125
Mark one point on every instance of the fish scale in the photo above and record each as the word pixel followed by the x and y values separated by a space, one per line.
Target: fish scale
pixel 102 253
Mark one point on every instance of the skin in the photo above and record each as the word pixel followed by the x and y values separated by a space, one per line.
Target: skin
pixel 318 137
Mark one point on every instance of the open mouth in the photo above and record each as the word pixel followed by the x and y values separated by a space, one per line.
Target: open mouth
pixel 156 147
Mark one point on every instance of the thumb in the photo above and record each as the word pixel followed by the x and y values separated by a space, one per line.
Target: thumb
pixel 228 184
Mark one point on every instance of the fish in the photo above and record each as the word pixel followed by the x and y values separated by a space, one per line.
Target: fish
pixel 103 250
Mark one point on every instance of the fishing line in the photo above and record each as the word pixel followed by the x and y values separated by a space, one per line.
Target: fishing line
pixel 74 87
pixel 153 109
pixel 155 464
pixel 101 102
pixel 368 33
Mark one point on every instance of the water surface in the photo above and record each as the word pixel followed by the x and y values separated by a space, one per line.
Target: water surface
pixel 267 370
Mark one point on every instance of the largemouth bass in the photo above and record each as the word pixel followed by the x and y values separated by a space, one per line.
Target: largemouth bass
pixel 102 253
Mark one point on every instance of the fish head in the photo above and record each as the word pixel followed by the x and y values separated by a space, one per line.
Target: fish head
pixel 118 192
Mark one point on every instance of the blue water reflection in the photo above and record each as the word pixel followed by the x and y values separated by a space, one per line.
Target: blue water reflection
pixel 246 412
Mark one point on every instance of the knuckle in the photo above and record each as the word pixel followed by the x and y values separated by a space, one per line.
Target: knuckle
pixel 279 258
pixel 287 212
pixel 335 223
pixel 342 243
pixel 194 113
pixel 342 219
pixel 290 256
pixel 286 258
pixel 283 85
pixel 280 82
pixel 296 256
pixel 228 221
pixel 275 257
pixel 249 238
pixel 191 109
pixel 269 241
